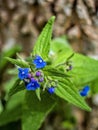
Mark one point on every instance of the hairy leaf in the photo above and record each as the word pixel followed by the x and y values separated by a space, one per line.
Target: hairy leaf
pixel 42 46
pixel 18 86
pixel 61 51
pixel 35 113
pixel 18 62
pixel 54 72
pixel 67 91
pixel 84 69
pixel 38 93
pixel 8 53
pixel 8 116
pixel 13 109
pixel 60 44
pixel 94 86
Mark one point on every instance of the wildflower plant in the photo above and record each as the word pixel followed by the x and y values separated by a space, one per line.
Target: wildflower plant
pixel 51 71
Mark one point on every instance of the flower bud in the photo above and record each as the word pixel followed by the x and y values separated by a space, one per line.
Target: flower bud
pixel 38 73
pixel 51 90
pixel 41 79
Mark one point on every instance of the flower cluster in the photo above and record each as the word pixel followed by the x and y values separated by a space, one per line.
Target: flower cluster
pixel 84 91
pixel 33 80
pixel 30 80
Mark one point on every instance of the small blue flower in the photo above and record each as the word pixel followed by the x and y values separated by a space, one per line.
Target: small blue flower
pixel 39 62
pixel 51 90
pixel 23 73
pixel 33 85
pixel 84 91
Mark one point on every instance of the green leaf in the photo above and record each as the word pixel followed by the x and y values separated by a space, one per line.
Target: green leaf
pixel 68 92
pixel 94 86
pixel 61 59
pixel 8 53
pixel 13 110
pixel 54 72
pixel 60 44
pixel 8 116
pixel 38 93
pixel 18 62
pixel 35 113
pixel 42 46
pixel 8 84
pixel 84 70
pixel 18 86
pixel 61 51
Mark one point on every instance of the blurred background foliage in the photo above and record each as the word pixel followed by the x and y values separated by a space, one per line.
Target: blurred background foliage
pixel 21 21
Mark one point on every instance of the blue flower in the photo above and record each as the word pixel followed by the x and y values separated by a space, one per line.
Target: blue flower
pixel 39 62
pixel 23 73
pixel 84 91
pixel 33 85
pixel 51 90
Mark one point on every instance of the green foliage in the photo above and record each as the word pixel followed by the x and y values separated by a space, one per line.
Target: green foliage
pixel 84 70
pixel 94 86
pixel 18 86
pixel 33 106
pixel 18 62
pixel 13 109
pixel 42 46
pixel 8 53
pixel 8 116
pixel 67 91
pixel 60 44
pixel 61 50
pixel 35 111
pixel 38 93
pixel 54 72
